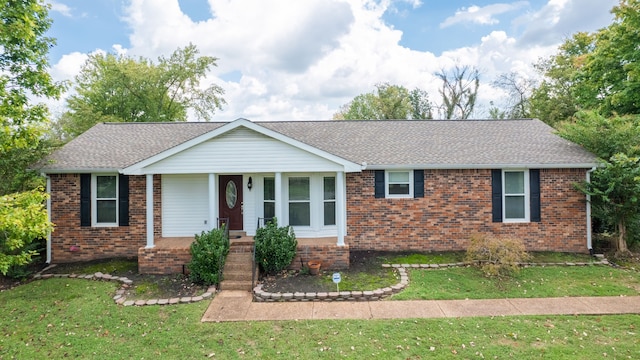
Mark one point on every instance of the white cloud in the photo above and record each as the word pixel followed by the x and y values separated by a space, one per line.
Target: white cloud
pixel 481 15
pixel 60 8
pixel 300 60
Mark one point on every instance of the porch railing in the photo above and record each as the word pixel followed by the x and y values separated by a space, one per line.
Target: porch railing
pixel 224 224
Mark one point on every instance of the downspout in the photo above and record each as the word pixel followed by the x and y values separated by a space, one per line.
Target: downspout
pixel 48 189
pixel 589 231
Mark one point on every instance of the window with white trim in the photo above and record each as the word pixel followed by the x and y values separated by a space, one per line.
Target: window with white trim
pixel 299 201
pixel 399 184
pixel 329 199
pixel 515 195
pixel 104 200
pixel 269 198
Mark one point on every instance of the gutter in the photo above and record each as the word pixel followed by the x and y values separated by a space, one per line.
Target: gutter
pixel 589 231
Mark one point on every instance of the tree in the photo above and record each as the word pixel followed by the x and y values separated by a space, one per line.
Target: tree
pixel 609 80
pixel 117 88
pixel 23 219
pixel 615 186
pixel 387 102
pixel 554 100
pixel 23 76
pixel 518 89
pixel 459 91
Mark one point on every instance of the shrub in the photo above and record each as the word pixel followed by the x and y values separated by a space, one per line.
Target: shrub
pixel 498 257
pixel 208 253
pixel 275 246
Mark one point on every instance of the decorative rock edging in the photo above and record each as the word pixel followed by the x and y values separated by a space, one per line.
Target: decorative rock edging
pixel 260 295
pixel 263 296
pixel 125 283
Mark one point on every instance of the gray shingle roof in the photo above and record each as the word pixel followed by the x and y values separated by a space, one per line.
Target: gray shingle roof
pixel 394 143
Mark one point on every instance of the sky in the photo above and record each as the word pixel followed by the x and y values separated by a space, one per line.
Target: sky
pixel 301 60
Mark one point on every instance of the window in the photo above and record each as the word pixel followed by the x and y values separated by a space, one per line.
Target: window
pixel 269 205
pixel 329 189
pixel 299 201
pixel 399 184
pixel 515 196
pixel 105 200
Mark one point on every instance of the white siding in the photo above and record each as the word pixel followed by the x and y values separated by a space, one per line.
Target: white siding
pixel 242 151
pixel 249 203
pixel 185 204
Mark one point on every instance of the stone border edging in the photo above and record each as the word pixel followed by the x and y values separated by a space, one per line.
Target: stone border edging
pixel 263 296
pixel 125 283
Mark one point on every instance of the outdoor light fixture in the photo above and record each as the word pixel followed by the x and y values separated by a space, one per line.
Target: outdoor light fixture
pixel 250 183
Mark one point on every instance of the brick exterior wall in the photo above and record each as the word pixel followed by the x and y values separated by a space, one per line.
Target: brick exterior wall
pixel 98 242
pixel 162 260
pixel 457 204
pixel 333 257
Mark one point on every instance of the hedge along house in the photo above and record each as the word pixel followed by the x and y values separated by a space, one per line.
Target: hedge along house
pixel 145 189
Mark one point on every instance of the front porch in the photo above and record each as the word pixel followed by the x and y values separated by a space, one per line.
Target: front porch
pixel 170 255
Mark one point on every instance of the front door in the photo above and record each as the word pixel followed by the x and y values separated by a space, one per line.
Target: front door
pixel 230 200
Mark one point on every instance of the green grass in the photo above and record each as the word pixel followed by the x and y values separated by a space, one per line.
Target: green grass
pixel 531 282
pixel 73 318
pixel 110 266
pixel 427 258
pixel 361 281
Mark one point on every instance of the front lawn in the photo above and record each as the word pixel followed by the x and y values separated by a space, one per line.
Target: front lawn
pixel 532 282
pixel 75 318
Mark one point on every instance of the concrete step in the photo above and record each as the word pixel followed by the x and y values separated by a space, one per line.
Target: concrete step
pixel 237 275
pixel 235 285
pixel 244 258
pixel 238 266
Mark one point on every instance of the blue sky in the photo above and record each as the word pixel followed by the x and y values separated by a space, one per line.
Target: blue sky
pixel 284 60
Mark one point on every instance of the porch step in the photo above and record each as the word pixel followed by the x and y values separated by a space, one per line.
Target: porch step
pixel 238 266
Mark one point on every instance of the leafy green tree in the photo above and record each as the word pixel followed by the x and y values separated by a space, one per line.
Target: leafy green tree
pixel 553 100
pixel 23 219
pixel 387 102
pixel 615 186
pixel 23 76
pixel 609 80
pixel 459 91
pixel 117 88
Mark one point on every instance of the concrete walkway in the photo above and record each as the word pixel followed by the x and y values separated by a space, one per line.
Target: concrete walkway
pixel 238 306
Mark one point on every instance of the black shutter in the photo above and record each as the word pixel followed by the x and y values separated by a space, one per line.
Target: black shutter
pixel 496 195
pixel 85 199
pixel 418 183
pixel 379 184
pixel 123 200
pixel 534 199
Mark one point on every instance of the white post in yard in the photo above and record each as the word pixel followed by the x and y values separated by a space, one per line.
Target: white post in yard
pixel 278 196
pixel 213 201
pixel 340 206
pixel 150 230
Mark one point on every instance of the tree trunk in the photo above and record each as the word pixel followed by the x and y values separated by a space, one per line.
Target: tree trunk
pixel 621 244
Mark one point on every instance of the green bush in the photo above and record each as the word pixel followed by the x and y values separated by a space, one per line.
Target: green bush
pixel 497 257
pixel 208 253
pixel 275 246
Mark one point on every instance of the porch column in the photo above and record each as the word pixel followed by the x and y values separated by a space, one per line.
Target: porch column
pixel 213 201
pixel 278 197
pixel 340 207
pixel 150 230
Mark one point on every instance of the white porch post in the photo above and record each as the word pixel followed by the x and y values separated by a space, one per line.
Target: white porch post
pixel 213 201
pixel 278 196
pixel 150 230
pixel 340 207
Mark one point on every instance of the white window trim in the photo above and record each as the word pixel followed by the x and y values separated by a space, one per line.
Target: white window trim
pixel 94 207
pixel 527 196
pixel 316 188
pixel 307 201
pixel 387 183
pixel 324 201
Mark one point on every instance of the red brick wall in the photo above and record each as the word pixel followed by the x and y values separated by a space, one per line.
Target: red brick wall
pixel 333 257
pixel 457 204
pixel 98 242
pixel 162 260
